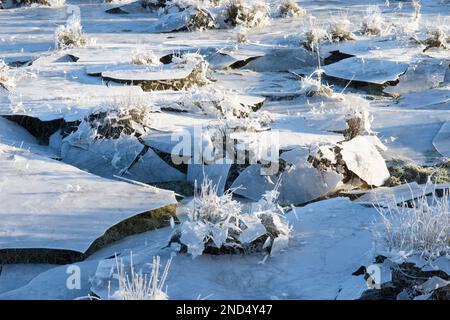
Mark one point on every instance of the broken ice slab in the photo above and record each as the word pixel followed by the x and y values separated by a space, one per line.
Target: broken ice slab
pixel 284 59
pixel 139 73
pixel 388 196
pixel 150 168
pixel 362 157
pixel 14 135
pixel 216 172
pixel 227 58
pixel 442 140
pixel 103 157
pixel 299 185
pixel 46 204
pixel 430 99
pixel 368 70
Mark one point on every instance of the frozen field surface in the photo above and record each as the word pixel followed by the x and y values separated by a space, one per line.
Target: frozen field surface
pixel 309 121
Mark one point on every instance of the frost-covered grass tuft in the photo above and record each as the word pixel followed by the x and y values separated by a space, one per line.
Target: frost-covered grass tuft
pixel 242 34
pixel 7 4
pixel 130 115
pixel 138 286
pixel 423 229
pixel 71 34
pixel 439 38
pixel 312 85
pixel 217 224
pixel 373 22
pixel 289 9
pixel 248 14
pixel 145 57
pixel 314 36
pixel 341 30
pixel 416 6
pixel 201 20
pixel 7 80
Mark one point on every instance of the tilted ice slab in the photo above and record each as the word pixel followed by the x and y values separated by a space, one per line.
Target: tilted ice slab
pixel 442 140
pixel 47 204
pixel 330 240
pixel 366 70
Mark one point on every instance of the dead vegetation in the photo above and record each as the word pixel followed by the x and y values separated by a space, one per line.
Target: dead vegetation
pixel 290 9
pixel 201 20
pixel 411 172
pixel 238 12
pixel 145 57
pixel 197 78
pixel 70 35
pixel 7 4
pixel 373 23
pixel 341 30
pixel 438 39
pixel 130 115
pixel 6 79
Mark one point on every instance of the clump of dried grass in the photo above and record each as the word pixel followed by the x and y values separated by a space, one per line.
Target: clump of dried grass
pixel 290 9
pixel 217 224
pixel 438 39
pixel 423 228
pixel 201 20
pixel 26 3
pixel 314 36
pixel 373 22
pixel 341 30
pixel 7 81
pixel 411 172
pixel 137 285
pixel 197 78
pixel 312 85
pixel 70 35
pixel 145 57
pixel 130 115
pixel 249 15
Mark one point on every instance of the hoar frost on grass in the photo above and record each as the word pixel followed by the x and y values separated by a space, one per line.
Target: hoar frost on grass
pixel 130 115
pixel 249 14
pixel 289 9
pixel 145 57
pixel 217 224
pixel 7 4
pixel 438 38
pixel 312 85
pixel 341 30
pixel 423 229
pixel 137 285
pixel 315 35
pixel 7 80
pixel 197 78
pixel 373 22
pixel 71 34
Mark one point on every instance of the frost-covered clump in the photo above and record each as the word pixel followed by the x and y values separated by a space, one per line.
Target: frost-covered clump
pixel 423 228
pixel 373 22
pixel 341 30
pixel 249 14
pixel 200 66
pixel 7 4
pixel 130 115
pixel 242 34
pixel 7 80
pixel 312 85
pixel 145 57
pixel 438 38
pixel 201 19
pixel 314 36
pixel 138 285
pixel 289 9
pixel 358 123
pixel 217 224
pixel 70 35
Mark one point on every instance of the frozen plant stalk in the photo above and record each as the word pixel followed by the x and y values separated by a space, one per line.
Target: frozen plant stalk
pixel 71 34
pixel 423 229
pixel 137 286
